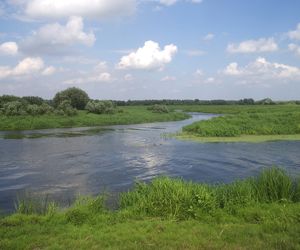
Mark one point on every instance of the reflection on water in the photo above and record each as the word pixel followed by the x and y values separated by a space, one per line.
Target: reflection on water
pixel 66 162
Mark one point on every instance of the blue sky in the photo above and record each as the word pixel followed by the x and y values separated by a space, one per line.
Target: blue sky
pixel 151 49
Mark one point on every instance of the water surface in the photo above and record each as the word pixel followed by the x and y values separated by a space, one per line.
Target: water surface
pixel 66 162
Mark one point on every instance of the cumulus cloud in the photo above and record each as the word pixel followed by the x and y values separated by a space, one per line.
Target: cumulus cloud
pixel 128 77
pixel 26 67
pixel 263 70
pixel 150 56
pixel 49 71
pixel 168 79
pixel 172 2
pixel 102 77
pixel 85 8
pixel 9 48
pixel 199 73
pixel 208 37
pixel 97 75
pixel 254 46
pixel 295 34
pixel 55 38
pixel 295 48
pixel 194 52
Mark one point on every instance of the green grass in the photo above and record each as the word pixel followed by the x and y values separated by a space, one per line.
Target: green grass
pixel 235 109
pixel 256 213
pixel 242 138
pixel 130 115
pixel 245 123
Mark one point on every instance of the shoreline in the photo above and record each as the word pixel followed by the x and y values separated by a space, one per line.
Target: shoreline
pixel 244 138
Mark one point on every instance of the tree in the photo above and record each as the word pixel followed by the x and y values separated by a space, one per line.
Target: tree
pixel 77 97
pixel 100 107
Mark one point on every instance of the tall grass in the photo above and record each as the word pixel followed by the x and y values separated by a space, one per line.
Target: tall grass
pixel 130 115
pixel 279 122
pixel 175 198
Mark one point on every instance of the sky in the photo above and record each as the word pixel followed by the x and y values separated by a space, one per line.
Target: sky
pixel 151 49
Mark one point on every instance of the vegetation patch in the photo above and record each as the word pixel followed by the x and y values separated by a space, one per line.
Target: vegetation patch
pixel 245 123
pixel 256 213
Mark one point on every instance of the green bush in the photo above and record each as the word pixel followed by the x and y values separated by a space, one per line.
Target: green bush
pixel 33 100
pixel 77 98
pixel 174 198
pixel 65 108
pixel 100 107
pixel 14 108
pixel 159 108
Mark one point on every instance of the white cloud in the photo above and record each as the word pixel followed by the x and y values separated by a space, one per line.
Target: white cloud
pixel 254 46
pixel 295 34
pixel 208 37
pixel 261 70
pixel 232 69
pixel 8 48
pixel 54 38
pixel 128 77
pixel 150 56
pixel 210 80
pixel 84 8
pixel 101 77
pixel 172 2
pixel 26 67
pixel 98 74
pixel 194 52
pixel 168 78
pixel 199 73
pixel 295 48
pixel 49 71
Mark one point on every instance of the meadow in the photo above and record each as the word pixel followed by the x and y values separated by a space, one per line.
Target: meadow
pixel 255 213
pixel 124 115
pixel 251 123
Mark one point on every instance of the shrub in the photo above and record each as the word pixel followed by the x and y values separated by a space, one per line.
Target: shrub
pixel 45 109
pixel 33 110
pixel 65 108
pixel 14 108
pixel 77 97
pixel 159 108
pixel 100 107
pixel 33 100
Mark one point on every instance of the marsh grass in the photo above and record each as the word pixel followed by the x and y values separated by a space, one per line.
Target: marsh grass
pixel 175 198
pixel 129 115
pixel 255 213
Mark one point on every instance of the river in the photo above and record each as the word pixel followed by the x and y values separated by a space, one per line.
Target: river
pixel 63 163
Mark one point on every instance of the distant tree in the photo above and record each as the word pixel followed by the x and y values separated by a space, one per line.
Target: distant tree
pixel 33 100
pixel 246 101
pixel 14 108
pixel 266 101
pixel 159 108
pixel 101 107
pixel 77 97
pixel 65 108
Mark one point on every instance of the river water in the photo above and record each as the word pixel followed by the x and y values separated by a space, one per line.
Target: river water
pixel 63 163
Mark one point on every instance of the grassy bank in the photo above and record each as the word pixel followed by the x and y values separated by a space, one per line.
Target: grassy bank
pixel 129 115
pixel 260 212
pixel 245 123
pixel 242 138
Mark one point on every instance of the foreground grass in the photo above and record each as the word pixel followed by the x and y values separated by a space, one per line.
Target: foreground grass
pixel 245 123
pixel 130 115
pixel 261 212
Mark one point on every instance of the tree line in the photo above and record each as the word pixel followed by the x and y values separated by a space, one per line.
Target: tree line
pixel 69 101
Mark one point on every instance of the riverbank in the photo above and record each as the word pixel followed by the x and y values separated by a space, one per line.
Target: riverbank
pixel 260 212
pixel 243 138
pixel 244 124
pixel 126 115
